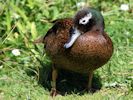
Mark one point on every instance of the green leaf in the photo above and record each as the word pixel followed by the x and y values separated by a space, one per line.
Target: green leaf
pixel 33 30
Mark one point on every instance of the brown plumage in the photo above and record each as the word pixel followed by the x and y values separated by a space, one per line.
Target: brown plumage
pixel 92 49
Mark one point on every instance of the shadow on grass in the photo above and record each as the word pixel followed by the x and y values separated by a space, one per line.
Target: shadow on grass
pixel 68 82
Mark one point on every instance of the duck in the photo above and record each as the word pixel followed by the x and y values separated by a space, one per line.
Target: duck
pixel 78 44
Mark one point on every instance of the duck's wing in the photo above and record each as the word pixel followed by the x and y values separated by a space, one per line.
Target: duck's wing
pixel 58 24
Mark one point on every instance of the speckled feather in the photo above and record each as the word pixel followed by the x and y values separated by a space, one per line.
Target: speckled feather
pixel 90 51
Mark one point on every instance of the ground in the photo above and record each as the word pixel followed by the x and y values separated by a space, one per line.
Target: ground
pixel 25 73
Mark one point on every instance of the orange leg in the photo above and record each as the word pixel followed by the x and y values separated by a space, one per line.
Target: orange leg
pixel 53 82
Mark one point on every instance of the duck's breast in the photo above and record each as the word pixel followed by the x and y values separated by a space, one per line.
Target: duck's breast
pixel 92 49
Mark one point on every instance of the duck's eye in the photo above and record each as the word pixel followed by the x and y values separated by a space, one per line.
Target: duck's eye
pixel 85 19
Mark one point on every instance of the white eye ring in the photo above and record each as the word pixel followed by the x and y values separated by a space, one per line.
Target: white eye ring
pixel 85 19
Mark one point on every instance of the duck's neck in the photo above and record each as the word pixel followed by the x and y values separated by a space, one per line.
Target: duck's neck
pixel 98 29
pixel 99 20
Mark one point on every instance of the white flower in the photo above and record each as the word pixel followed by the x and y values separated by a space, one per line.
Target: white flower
pixel 16 52
pixel 81 4
pixel 1 67
pixel 124 7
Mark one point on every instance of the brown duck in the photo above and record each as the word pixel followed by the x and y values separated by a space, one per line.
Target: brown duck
pixel 79 44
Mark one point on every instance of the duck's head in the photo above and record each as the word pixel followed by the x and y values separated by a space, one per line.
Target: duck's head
pixel 84 20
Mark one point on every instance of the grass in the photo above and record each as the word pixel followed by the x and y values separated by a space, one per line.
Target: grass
pixel 26 76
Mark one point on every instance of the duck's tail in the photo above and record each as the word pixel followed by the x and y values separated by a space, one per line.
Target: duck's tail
pixel 39 40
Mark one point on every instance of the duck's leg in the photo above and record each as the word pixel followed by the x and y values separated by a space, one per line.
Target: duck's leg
pixel 53 82
pixel 89 87
pixel 89 84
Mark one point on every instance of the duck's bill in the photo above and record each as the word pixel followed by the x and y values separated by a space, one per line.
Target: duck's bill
pixel 73 37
